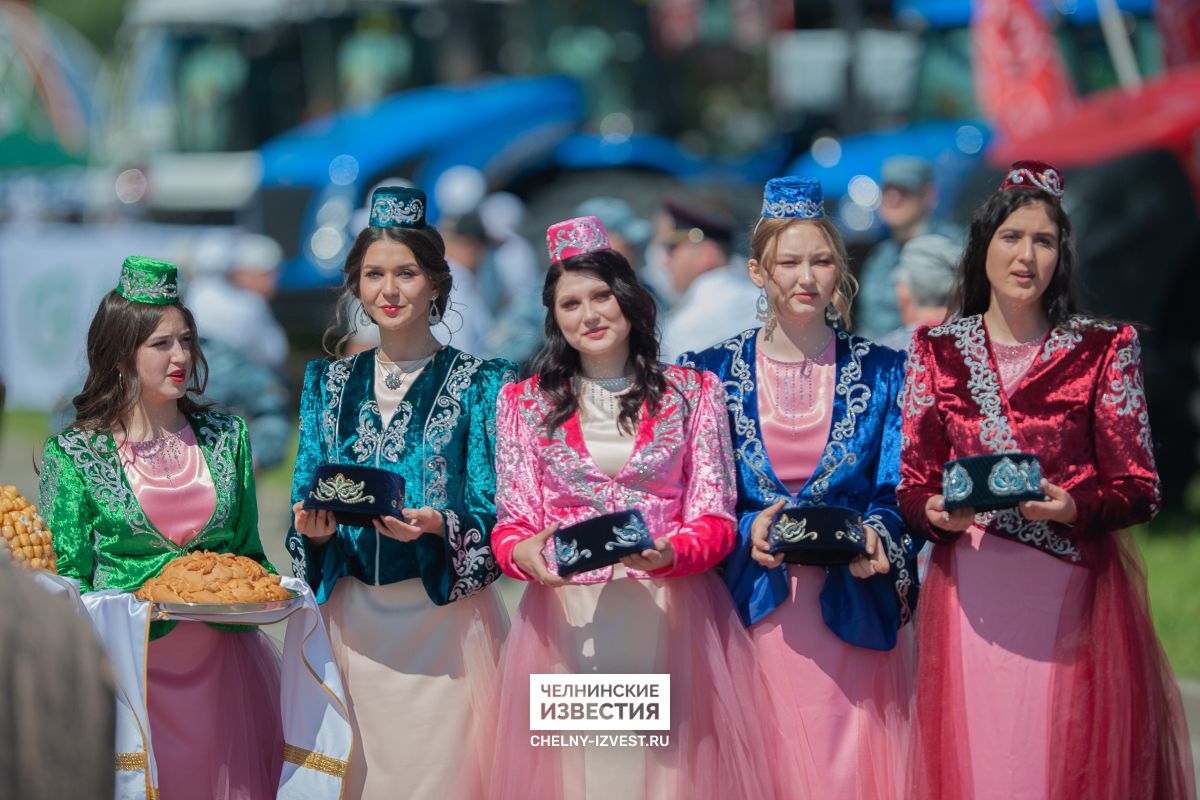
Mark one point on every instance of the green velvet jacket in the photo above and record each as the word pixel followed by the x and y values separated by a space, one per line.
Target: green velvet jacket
pixel 102 535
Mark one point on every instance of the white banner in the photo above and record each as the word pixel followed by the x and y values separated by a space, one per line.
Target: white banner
pixel 52 277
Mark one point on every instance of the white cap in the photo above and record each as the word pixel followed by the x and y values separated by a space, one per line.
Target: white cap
pixel 254 252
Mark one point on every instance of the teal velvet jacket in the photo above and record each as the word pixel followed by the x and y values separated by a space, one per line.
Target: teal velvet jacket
pixel 441 440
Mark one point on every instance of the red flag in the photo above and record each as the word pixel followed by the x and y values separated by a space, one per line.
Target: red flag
pixel 1179 23
pixel 1020 81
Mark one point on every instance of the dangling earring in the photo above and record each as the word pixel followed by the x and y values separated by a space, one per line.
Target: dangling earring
pixel 762 308
pixel 435 315
pixel 364 317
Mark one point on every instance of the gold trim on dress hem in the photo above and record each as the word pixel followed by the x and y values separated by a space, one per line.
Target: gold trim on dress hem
pixel 310 760
pixel 133 762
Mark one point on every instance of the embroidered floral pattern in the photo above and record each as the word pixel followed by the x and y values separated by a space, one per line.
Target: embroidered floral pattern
pixel 917 393
pixel 739 394
pixel 373 444
pixel 984 386
pixel 1125 393
pixel 575 236
pixel 898 559
pixel 857 397
pixel 1037 533
pixel 392 211
pixel 1066 337
pixel 95 456
pixel 440 425
pixel 144 288
pixel 472 558
pixel 336 376
pixel 218 436
pixel 801 209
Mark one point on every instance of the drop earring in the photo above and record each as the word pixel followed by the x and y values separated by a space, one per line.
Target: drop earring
pixel 435 316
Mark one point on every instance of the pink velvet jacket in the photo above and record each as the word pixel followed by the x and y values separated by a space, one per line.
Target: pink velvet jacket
pixel 1080 408
pixel 679 475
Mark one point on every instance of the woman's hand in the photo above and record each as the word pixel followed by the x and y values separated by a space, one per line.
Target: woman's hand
pixel 415 522
pixel 528 556
pixel 661 557
pixel 957 520
pixel 1059 508
pixel 759 549
pixel 317 525
pixel 875 562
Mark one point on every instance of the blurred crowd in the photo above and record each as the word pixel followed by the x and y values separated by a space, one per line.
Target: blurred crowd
pixel 690 254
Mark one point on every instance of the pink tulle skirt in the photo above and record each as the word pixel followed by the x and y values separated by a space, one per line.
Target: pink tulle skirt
pixel 213 698
pixel 854 703
pixel 1039 678
pixel 723 743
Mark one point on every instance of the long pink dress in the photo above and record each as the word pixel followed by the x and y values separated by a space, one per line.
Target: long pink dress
pixel 213 695
pixel 1040 674
pixel 677 470
pixel 851 702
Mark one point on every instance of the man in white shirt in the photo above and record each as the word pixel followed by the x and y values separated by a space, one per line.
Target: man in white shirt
pixel 717 299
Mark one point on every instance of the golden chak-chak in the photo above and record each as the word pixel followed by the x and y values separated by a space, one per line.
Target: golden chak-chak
pixel 206 577
pixel 24 537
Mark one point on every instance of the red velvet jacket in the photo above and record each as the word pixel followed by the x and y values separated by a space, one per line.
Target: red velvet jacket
pixel 1080 408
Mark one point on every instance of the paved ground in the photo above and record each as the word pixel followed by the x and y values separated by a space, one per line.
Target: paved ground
pixel 17 455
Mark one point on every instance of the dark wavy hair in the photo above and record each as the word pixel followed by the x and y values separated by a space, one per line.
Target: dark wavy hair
pixel 428 247
pixel 972 291
pixel 112 389
pixel 557 363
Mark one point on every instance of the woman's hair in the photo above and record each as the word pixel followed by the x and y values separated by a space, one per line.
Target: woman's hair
pixel 765 238
pixel 430 251
pixel 112 389
pixel 557 363
pixel 972 290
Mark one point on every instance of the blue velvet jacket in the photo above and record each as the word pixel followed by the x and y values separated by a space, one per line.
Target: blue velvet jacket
pixel 859 468
pixel 441 439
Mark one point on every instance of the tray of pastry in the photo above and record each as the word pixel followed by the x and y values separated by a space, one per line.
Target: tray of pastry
pixel 211 585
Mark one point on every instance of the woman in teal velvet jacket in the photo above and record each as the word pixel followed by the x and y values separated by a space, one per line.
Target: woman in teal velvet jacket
pixel 414 624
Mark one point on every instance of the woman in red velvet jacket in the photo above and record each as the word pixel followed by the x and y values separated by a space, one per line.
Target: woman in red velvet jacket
pixel 1039 672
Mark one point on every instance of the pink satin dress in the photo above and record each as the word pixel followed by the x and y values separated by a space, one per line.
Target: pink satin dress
pixel 213 695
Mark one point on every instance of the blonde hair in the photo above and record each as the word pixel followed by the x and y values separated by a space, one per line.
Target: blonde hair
pixel 762 249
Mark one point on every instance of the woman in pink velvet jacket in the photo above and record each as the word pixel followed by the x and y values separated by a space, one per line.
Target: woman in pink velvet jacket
pixel 604 427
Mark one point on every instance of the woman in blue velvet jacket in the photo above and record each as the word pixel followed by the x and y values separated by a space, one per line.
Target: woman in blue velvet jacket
pixel 815 422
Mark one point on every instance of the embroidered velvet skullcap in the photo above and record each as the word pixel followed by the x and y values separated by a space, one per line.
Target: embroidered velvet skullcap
pixel 398 207
pixel 574 237
pixel 793 197
pixel 1035 175
pixel 147 280
pixel 818 535
pixel 600 541
pixel 356 495
pixel 992 482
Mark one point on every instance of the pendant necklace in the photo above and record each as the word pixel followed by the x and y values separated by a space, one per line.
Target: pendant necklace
pixel 397 373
